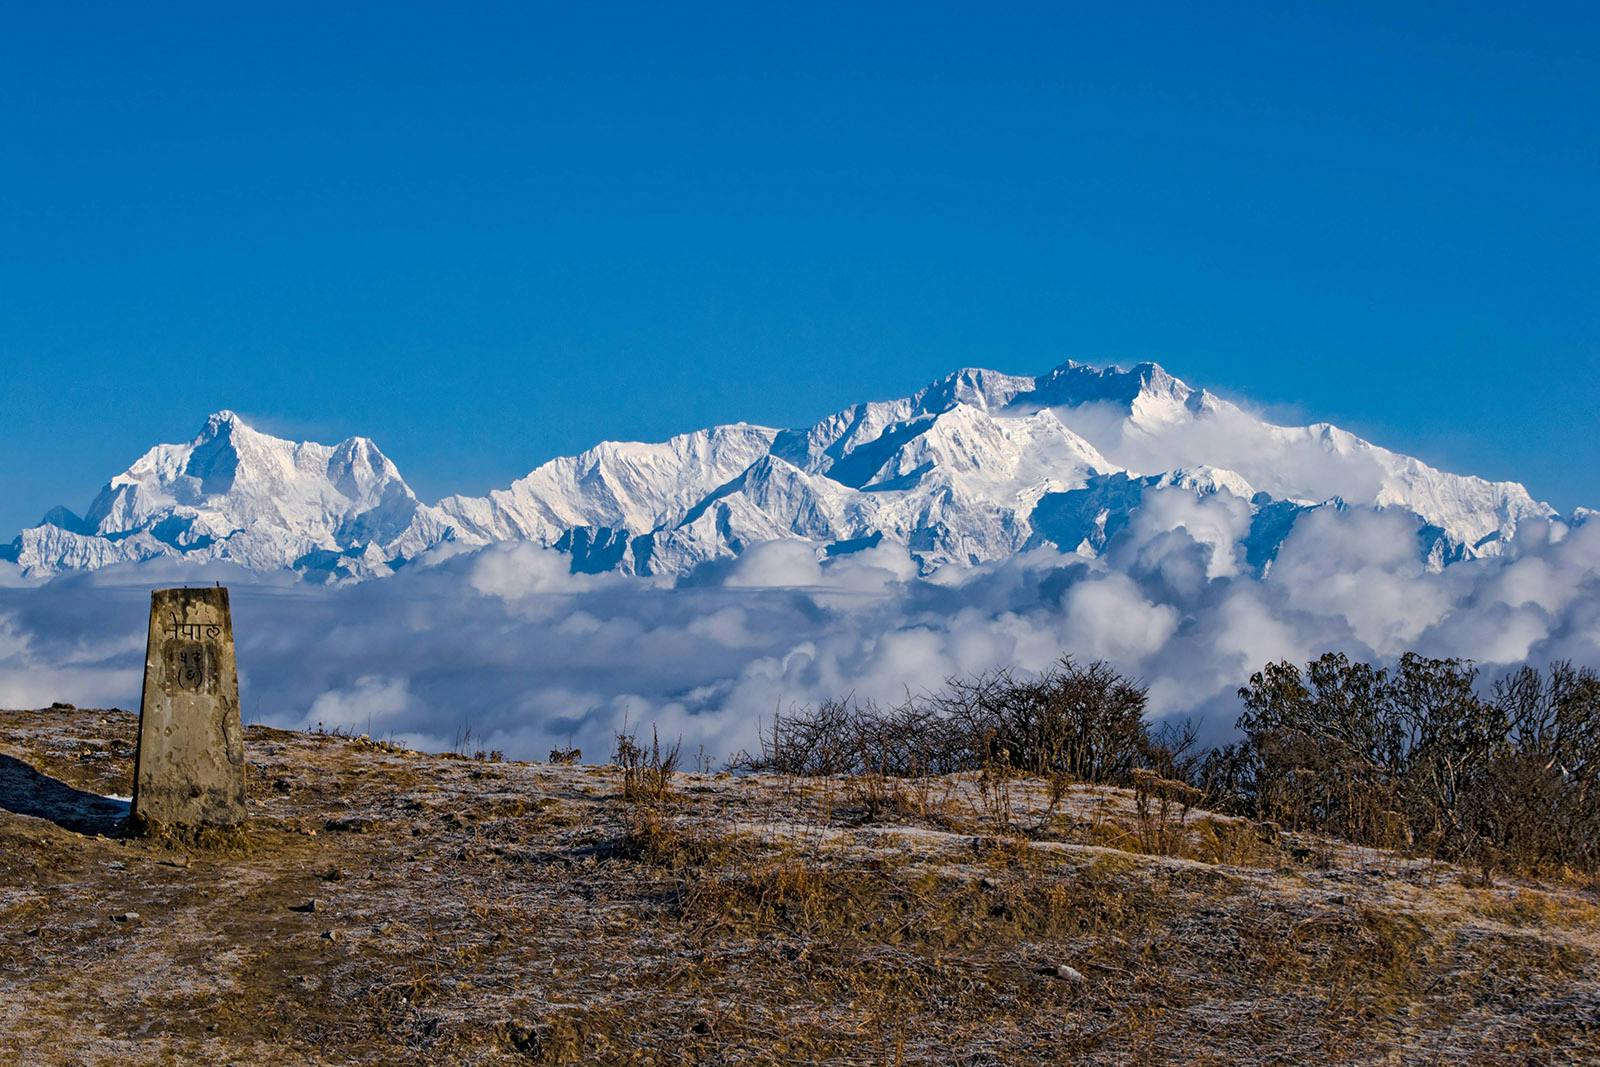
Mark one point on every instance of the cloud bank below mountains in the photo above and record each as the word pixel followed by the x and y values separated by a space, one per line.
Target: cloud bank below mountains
pixel 508 642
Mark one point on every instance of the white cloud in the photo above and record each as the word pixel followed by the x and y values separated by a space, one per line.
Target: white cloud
pixel 1284 461
pixel 1110 618
pixel 777 565
pixel 1362 568
pixel 14 641
pixel 1249 633
pixel 509 644
pixel 1218 521
pixel 726 626
pixel 524 572
pixel 367 706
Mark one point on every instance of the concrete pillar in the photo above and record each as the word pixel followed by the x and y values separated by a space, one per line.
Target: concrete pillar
pixel 189 771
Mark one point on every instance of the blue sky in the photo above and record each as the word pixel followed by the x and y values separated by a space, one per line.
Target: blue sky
pixel 488 237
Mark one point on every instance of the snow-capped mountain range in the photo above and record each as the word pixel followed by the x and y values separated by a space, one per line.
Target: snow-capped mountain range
pixel 975 467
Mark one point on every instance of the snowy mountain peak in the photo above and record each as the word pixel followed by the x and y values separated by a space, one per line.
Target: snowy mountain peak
pixel 972 467
pixel 971 386
pixel 233 492
pixel 1074 384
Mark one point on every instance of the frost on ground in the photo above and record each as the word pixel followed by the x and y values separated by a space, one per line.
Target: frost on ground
pixel 386 906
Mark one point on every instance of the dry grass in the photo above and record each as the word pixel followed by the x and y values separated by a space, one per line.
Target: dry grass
pixel 502 913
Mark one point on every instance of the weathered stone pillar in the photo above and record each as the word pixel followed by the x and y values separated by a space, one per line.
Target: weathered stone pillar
pixel 189 771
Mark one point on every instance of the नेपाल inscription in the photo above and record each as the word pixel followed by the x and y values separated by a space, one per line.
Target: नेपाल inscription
pixel 192 631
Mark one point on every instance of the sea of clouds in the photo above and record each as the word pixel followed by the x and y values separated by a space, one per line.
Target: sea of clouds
pixel 507 643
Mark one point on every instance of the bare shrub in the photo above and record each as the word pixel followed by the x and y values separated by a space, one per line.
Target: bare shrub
pixel 646 772
pixel 873 793
pixel 1085 722
pixel 1162 808
pixel 994 792
pixel 846 737
pixel 1082 722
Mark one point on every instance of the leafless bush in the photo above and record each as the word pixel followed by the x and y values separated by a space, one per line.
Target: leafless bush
pixel 1162 808
pixel 1085 722
pixel 1082 722
pixel 994 792
pixel 646 772
pixel 846 737
pixel 1172 749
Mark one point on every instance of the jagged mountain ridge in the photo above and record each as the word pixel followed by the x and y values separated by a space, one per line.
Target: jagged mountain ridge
pixel 972 468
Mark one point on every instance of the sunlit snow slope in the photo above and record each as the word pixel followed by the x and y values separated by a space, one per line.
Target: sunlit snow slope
pixel 972 468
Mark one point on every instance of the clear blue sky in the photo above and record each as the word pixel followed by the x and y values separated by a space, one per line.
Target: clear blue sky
pixel 487 235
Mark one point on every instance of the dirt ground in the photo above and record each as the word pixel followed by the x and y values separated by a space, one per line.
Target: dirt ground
pixel 385 906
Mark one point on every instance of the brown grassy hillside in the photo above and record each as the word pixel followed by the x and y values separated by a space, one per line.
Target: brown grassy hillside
pixel 390 907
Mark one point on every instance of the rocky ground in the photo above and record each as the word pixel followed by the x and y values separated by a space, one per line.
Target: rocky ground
pixel 385 906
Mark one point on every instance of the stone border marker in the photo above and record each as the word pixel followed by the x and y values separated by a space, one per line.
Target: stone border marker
pixel 189 770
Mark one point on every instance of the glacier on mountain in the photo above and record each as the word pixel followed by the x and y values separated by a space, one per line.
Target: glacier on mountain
pixel 972 469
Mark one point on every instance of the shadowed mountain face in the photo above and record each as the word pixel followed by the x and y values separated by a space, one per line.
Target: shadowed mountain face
pixel 970 469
